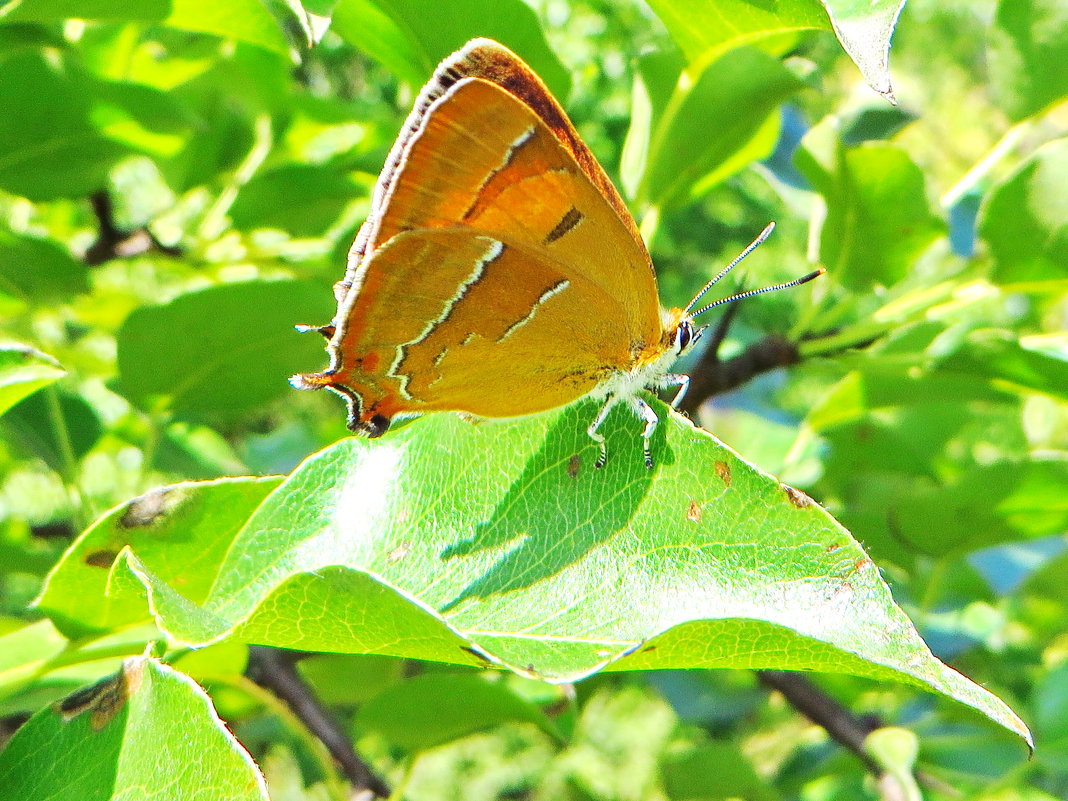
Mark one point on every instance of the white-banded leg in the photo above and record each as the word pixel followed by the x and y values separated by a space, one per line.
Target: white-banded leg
pixel 646 413
pixel 675 380
pixel 597 436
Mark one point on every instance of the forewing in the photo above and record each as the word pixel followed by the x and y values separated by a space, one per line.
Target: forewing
pixel 489 148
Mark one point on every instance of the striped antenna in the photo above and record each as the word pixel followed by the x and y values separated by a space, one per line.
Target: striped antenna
pixel 752 246
pixel 743 295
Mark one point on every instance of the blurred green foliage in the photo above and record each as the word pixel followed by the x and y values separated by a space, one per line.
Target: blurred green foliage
pixel 179 183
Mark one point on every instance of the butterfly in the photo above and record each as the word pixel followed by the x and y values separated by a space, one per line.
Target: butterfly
pixel 499 272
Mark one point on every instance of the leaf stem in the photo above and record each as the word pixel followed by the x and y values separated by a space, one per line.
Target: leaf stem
pixel 978 173
pixel 214 222
pixel 68 463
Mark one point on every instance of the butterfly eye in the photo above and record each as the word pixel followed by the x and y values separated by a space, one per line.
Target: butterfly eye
pixel 684 336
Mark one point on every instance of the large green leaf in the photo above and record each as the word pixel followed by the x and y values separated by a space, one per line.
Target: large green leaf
pixel 118 740
pixel 222 351
pixel 410 40
pixel 51 148
pixel 58 427
pixel 702 138
pixel 499 543
pixel 39 270
pixel 706 27
pixel 878 217
pixel 302 199
pixel 1025 218
pixel 1028 55
pixel 23 371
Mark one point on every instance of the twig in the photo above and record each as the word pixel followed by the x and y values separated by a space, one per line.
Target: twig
pixel 113 242
pixel 714 377
pixel 275 670
pixel 842 725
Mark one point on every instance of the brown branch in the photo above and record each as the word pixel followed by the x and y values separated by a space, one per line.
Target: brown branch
pixel 712 376
pixel 275 669
pixel 843 726
pixel 113 242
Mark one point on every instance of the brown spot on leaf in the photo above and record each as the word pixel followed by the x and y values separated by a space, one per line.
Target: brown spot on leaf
pixel 106 698
pixel 648 648
pixel 149 509
pixel 573 465
pixel 399 552
pixel 101 558
pixel 693 513
pixel 723 470
pixel 797 497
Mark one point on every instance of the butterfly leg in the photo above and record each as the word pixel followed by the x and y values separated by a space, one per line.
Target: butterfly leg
pixel 676 380
pixel 598 437
pixel 646 413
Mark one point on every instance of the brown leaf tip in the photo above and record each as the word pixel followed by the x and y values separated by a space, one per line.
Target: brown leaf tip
pixel 106 698
pixel 797 497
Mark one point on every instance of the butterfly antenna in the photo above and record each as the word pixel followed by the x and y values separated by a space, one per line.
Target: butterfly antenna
pixel 743 295
pixel 752 246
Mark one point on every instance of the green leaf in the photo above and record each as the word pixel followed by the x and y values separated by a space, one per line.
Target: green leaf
pixel 1025 219
pixel 702 139
pixel 244 20
pixel 410 42
pixel 50 148
pixel 707 28
pixel 100 10
pixel 878 217
pixel 984 506
pixel 24 652
pixel 432 710
pixel 23 371
pixel 864 28
pixel 79 594
pixel 222 351
pixel 1001 355
pixel 1028 55
pixel 656 75
pixel 56 426
pixel 877 388
pixel 498 542
pixel 39 270
pixel 303 200
pixel 715 770
pixel 147 732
